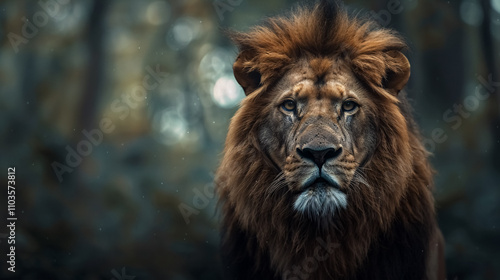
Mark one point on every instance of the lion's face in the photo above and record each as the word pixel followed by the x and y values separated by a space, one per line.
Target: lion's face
pixel 318 132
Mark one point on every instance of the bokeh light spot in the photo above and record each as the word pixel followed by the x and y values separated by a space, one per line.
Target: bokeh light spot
pixel 172 127
pixel 183 32
pixel 471 12
pixel 227 93
pixel 496 5
pixel 157 12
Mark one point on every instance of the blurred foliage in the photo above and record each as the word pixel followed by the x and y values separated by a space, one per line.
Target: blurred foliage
pixel 144 91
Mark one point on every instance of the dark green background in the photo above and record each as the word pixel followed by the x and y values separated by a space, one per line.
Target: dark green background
pixel 117 214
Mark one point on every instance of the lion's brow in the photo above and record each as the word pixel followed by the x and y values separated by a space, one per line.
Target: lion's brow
pixel 334 90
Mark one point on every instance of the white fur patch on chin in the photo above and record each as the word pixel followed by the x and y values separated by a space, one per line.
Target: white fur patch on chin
pixel 320 203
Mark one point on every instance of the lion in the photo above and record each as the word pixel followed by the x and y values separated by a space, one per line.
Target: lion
pixel 324 175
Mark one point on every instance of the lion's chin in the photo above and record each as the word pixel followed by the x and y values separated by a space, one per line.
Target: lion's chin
pixel 320 201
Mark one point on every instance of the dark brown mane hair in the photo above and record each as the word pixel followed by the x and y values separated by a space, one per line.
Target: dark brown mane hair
pixel 323 30
pixel 393 218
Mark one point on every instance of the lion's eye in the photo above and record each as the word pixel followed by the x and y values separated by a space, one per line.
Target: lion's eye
pixel 289 105
pixel 349 106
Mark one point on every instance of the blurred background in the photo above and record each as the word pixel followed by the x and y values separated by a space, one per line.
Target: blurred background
pixel 114 114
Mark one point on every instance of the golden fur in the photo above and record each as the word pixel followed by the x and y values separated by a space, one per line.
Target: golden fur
pixel 387 230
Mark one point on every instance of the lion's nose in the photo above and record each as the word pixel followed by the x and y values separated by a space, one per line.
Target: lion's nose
pixel 320 155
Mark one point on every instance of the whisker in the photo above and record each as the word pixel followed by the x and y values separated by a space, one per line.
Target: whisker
pixel 360 177
pixel 277 184
pixel 360 184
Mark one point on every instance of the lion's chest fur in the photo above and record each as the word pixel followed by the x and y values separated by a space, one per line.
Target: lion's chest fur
pixel 399 253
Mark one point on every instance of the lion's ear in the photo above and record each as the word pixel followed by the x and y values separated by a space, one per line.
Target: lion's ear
pixel 248 78
pixel 397 71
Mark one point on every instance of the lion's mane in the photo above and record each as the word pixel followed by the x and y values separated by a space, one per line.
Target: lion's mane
pixel 391 206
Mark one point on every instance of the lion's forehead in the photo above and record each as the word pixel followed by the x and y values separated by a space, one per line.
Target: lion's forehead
pixel 309 89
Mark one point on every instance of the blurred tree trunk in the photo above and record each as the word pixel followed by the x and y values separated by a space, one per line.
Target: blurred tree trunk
pixel 29 101
pixel 491 69
pixel 95 71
